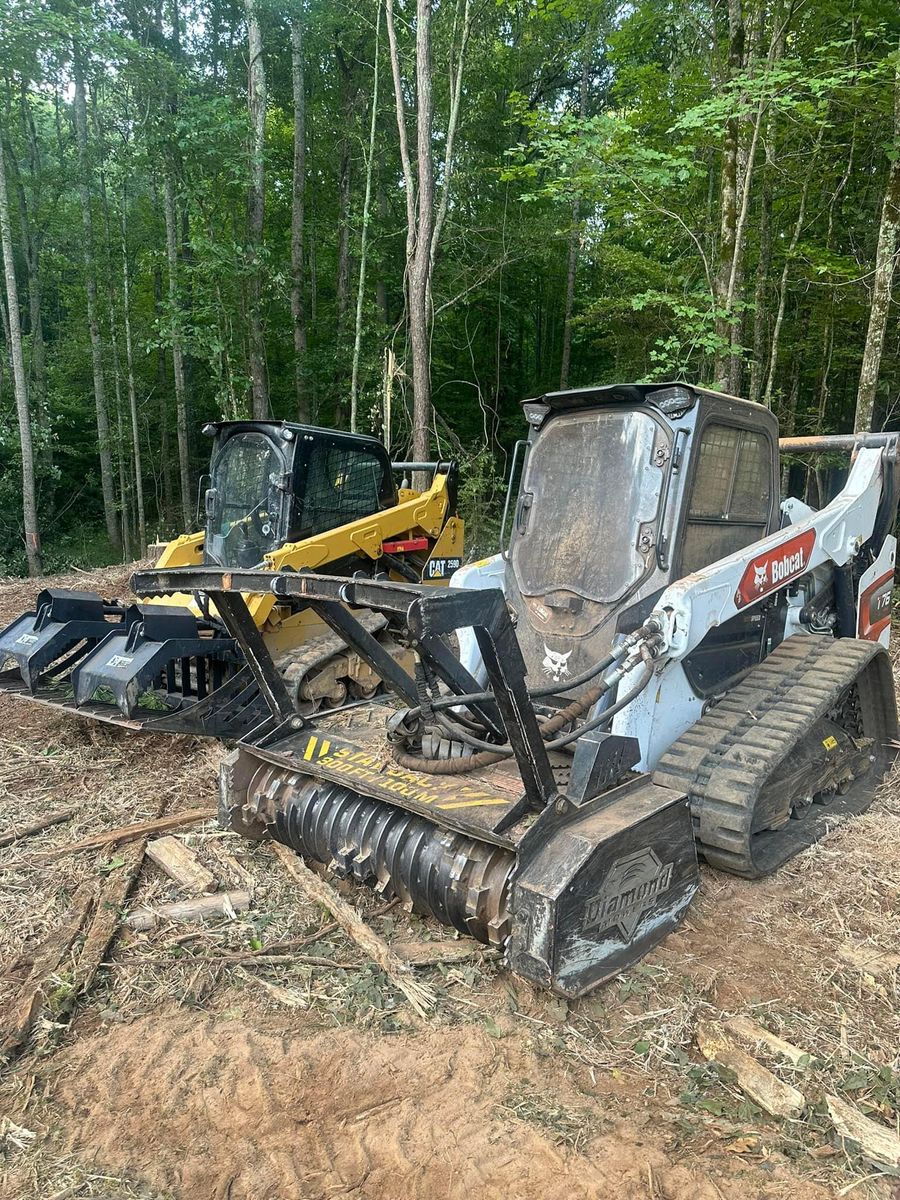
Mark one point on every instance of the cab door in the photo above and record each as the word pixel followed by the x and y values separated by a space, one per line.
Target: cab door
pixel 733 503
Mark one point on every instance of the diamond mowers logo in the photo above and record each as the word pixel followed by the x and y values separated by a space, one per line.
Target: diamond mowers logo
pixel 631 887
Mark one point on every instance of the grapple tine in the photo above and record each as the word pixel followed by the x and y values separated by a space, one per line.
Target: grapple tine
pixel 64 621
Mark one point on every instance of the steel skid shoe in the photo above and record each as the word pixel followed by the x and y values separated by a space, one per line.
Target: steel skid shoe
pixel 65 627
pixel 158 649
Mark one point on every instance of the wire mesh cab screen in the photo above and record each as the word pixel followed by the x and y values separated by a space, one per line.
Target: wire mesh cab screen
pixel 590 484
pixel 343 484
pixel 245 502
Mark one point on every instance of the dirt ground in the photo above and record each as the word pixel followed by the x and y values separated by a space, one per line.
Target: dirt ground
pixel 196 1069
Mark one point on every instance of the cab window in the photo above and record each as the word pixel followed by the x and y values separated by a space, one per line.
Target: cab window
pixel 343 484
pixel 731 497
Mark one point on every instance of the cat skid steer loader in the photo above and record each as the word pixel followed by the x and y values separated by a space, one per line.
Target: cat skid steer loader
pixel 664 659
pixel 280 497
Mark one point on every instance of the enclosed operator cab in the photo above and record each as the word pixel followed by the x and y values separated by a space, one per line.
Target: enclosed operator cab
pixel 272 482
pixel 623 490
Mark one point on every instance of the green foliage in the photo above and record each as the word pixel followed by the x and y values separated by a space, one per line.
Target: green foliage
pixel 629 173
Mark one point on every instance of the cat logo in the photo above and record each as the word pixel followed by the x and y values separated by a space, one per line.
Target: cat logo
pixel 762 577
pixel 555 666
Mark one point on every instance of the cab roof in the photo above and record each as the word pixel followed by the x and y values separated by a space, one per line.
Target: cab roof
pixel 673 399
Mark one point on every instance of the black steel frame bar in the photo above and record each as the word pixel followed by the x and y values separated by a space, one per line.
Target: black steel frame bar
pixel 232 608
pixel 427 611
pixel 343 622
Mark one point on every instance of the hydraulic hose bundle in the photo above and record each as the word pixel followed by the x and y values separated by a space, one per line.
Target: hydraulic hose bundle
pixel 640 646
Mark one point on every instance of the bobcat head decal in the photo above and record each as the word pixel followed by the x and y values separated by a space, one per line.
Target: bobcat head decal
pixel 555 665
pixel 761 577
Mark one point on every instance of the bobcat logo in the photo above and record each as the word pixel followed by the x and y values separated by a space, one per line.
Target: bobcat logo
pixel 761 577
pixel 555 665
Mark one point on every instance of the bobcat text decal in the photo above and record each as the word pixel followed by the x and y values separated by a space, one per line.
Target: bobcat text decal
pixel 772 570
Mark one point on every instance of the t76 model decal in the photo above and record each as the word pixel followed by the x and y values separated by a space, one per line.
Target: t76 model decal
pixel 771 570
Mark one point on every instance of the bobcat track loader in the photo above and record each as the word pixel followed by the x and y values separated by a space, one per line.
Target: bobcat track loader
pixel 280 497
pixel 664 660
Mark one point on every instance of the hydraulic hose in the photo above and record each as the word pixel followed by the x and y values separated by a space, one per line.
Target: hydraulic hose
pixel 489 754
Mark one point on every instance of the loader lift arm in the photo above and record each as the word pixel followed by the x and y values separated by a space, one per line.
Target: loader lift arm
pixel 836 534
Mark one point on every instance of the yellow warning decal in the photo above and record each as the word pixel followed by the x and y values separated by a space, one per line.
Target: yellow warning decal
pixel 830 743
pixel 310 752
pixel 355 765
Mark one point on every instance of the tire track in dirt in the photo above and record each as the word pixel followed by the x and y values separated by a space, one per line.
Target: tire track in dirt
pixel 216 1110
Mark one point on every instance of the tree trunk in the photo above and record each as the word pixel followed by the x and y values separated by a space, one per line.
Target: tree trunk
pixel 298 313
pixel 785 273
pixel 728 208
pixel 363 240
pixel 420 274
pixel 572 258
pixel 761 295
pixel 162 389
pixel 885 257
pixel 90 280
pixel 181 418
pixel 33 234
pixel 20 386
pixel 132 394
pixel 256 100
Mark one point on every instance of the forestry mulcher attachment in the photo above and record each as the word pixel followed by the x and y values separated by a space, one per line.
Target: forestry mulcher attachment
pixel 663 660
pixel 279 497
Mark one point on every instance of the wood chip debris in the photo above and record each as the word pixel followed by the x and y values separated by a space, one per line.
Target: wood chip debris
pixel 18 832
pixel 775 1097
pixel 21 1013
pixel 869 960
pixel 419 996
pixel 181 864
pixel 198 908
pixel 748 1029
pixel 876 1142
pixel 128 833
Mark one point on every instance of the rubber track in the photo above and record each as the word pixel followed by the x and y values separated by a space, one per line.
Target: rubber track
pixel 296 664
pixel 725 760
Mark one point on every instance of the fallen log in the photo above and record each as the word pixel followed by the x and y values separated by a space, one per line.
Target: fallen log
pixel 107 918
pixel 431 954
pixel 420 997
pixel 128 833
pixel 751 1032
pixel 778 1099
pixel 876 1142
pixel 18 832
pixel 19 1016
pixel 181 864
pixel 199 908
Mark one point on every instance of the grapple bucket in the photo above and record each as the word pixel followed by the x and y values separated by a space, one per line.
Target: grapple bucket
pixel 157 648
pixel 65 626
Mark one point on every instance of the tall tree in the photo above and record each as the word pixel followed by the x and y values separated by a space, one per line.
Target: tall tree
pixel 175 318
pixel 885 262
pixel 364 237
pixel 20 386
pixel 256 203
pixel 298 218
pixel 90 287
